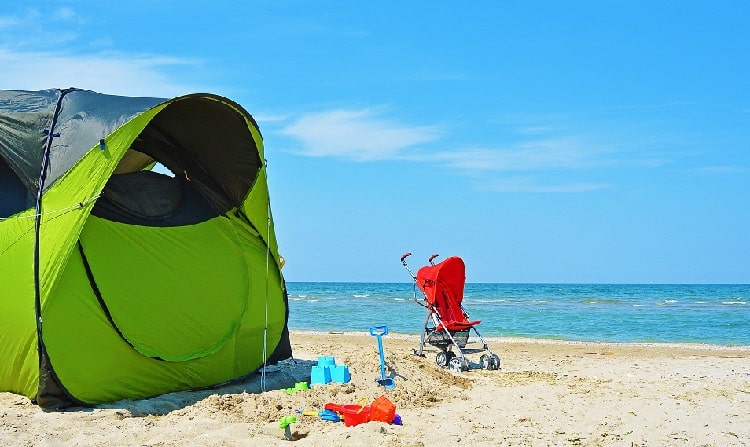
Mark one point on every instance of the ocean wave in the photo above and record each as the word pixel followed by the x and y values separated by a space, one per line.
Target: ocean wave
pixel 602 301
pixel 617 313
pixel 484 301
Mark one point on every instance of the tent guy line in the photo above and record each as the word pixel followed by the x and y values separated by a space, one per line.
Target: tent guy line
pixel 57 211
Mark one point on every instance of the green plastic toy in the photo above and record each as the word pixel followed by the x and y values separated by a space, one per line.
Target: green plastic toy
pixel 285 423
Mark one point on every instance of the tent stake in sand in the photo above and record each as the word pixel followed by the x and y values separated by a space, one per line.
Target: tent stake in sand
pixel 379 331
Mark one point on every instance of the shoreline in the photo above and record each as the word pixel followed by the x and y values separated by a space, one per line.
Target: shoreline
pixel 550 341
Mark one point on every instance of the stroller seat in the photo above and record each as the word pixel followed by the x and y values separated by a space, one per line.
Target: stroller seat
pixel 457 326
pixel 447 324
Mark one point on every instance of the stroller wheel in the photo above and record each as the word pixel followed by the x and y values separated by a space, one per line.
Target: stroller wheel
pixel 443 358
pixel 456 365
pixel 493 362
pixel 484 360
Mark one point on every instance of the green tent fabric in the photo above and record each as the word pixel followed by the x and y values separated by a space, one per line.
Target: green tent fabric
pixel 119 281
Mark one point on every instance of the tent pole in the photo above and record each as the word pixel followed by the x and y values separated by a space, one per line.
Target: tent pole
pixel 48 389
pixel 268 256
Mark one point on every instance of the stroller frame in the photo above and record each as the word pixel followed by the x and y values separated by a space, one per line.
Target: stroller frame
pixel 447 332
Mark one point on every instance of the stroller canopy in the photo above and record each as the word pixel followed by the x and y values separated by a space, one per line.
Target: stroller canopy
pixel 444 278
pixel 443 287
pixel 122 282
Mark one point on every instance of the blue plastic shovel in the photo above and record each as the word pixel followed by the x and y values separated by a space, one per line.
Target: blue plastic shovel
pixel 379 331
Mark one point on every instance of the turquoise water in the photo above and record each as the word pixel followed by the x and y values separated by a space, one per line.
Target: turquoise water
pixel 716 313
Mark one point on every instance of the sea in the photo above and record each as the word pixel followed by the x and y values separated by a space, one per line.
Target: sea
pixel 717 314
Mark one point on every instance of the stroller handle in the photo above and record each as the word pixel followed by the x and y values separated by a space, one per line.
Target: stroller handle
pixel 432 257
pixel 406 266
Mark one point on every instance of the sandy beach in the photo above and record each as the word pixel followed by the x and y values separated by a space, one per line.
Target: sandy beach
pixel 546 393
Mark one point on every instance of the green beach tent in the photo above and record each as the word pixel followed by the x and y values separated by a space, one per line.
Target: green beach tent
pixel 119 281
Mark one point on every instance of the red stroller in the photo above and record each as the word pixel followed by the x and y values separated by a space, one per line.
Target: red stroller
pixel 447 324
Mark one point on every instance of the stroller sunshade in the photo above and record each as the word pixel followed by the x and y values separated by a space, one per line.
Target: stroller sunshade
pixel 443 287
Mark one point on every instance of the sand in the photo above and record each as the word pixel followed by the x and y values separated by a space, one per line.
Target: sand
pixel 545 394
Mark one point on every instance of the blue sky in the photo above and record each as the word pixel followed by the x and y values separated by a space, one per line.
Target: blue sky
pixel 542 141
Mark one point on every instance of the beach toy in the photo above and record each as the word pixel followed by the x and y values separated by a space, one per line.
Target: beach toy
pixel 379 331
pixel 326 415
pixel 320 374
pixel 354 414
pixel 326 371
pixel 286 423
pixel 340 374
pixel 326 360
pixel 329 415
pixel 299 386
pixel 382 410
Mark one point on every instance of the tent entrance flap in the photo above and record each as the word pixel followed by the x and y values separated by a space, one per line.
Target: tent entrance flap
pixel 151 294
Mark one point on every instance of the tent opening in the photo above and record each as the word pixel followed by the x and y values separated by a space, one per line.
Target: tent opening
pixel 194 161
pixel 15 197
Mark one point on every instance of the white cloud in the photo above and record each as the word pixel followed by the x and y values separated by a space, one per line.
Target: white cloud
pixel 525 160
pixel 530 184
pixel 65 13
pixel 722 170
pixel 39 29
pixel 358 135
pixel 111 73
pixel 428 75
pixel 557 153
pixel 42 49
pixel 270 117
pixel 361 135
pixel 7 22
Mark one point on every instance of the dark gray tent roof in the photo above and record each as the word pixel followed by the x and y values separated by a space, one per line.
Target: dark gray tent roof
pixel 202 137
pixel 84 118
